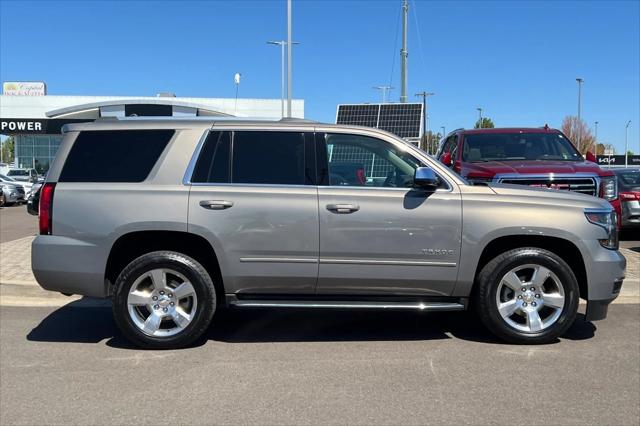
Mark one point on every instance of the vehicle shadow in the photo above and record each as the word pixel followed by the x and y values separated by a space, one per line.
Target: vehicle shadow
pixel 78 323
pixel 631 235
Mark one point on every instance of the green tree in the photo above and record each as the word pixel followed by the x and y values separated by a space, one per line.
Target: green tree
pixel 487 123
pixel 629 152
pixel 8 150
pixel 430 142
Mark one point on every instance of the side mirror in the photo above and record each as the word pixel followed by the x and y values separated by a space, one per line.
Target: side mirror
pixel 425 178
pixel 591 157
pixel 446 159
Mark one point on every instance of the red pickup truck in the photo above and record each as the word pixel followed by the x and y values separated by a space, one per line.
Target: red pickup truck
pixel 538 157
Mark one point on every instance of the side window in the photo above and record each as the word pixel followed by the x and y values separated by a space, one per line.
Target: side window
pixel 356 160
pixel 268 158
pixel 454 147
pixel 215 158
pixel 114 155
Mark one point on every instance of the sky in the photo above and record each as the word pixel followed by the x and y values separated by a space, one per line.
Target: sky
pixel 517 60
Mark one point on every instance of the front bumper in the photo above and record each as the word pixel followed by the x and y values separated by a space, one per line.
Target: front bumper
pixel 605 274
pixel 631 214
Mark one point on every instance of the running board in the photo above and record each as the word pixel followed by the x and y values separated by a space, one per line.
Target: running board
pixel 232 300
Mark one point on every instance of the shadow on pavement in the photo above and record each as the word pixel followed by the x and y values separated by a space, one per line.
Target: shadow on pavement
pixel 631 235
pixel 79 324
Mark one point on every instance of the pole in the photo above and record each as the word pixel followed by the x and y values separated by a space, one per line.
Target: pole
pixel 480 119
pixel 282 79
pixel 384 90
pixel 403 53
pixel 289 67
pixel 626 144
pixel 579 135
pixel 444 131
pixel 595 140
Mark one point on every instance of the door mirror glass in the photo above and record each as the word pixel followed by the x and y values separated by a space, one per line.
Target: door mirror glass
pixel 425 178
pixel 591 157
pixel 446 159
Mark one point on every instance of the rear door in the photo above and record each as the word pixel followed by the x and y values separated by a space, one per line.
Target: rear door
pixel 253 197
pixel 383 237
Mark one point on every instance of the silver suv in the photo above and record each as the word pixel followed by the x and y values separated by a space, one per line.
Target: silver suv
pixel 173 219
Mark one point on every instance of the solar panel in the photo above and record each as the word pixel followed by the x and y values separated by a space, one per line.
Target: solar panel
pixel 403 120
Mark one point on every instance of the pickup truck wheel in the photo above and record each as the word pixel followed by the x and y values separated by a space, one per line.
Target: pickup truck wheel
pixel 527 295
pixel 164 300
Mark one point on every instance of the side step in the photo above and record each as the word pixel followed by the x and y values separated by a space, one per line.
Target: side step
pixel 232 300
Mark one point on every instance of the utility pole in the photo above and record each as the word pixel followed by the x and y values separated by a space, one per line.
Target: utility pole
pixel 289 67
pixel 595 139
pixel 384 90
pixel 425 121
pixel 480 119
pixel 579 136
pixel 626 144
pixel 404 53
pixel 282 44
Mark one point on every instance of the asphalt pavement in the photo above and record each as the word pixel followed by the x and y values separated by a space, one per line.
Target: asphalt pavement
pixel 70 366
pixel 16 223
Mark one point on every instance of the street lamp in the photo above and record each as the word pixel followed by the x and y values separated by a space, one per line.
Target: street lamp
pixel 444 132
pixel 282 44
pixel 579 136
pixel 626 144
pixel 480 119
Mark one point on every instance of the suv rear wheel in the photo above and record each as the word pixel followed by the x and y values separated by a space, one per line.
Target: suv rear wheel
pixel 164 300
pixel 527 295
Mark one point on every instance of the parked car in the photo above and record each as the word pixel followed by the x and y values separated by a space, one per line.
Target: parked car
pixel 33 200
pixel 537 157
pixel 207 213
pixel 3 199
pixel 629 187
pixel 26 186
pixel 23 175
pixel 12 193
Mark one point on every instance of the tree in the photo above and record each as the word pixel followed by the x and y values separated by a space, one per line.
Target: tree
pixel 575 128
pixel 487 123
pixel 8 150
pixel 430 141
pixel 629 152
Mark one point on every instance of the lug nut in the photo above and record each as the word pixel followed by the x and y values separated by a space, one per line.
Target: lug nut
pixel 524 304
pixel 155 306
pixel 537 296
pixel 523 289
pixel 162 293
pixel 170 294
pixel 532 289
pixel 519 296
pixel 164 309
pixel 172 303
pixel 533 303
pixel 155 297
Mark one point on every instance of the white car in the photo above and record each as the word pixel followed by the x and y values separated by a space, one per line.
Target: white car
pixel 25 185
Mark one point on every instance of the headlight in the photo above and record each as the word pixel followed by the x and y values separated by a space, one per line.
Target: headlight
pixel 607 219
pixel 609 188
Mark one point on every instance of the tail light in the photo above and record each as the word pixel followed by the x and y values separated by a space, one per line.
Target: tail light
pixel 46 208
pixel 362 179
pixel 629 196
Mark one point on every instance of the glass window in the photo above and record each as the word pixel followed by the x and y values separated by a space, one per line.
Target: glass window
pixel 213 163
pixel 268 158
pixel 356 160
pixel 518 146
pixel 114 156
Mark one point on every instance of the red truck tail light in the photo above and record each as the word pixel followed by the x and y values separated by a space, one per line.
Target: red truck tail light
pixel 46 206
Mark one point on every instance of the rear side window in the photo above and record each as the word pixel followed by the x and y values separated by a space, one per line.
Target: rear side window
pixel 214 160
pixel 269 158
pixel 114 156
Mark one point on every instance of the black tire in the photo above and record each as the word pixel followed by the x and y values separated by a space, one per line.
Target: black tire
pixel 487 286
pixel 190 269
pixel 2 199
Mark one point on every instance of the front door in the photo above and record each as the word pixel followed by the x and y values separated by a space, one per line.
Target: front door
pixel 379 235
pixel 253 197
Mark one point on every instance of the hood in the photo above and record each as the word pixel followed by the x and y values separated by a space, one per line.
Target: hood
pixel 549 196
pixel 534 167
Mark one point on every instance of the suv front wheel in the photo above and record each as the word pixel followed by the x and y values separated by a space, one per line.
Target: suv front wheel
pixel 164 300
pixel 527 295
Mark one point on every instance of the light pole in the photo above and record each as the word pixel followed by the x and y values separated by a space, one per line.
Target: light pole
pixel 595 139
pixel 425 123
pixel 480 119
pixel 579 124
pixel 384 90
pixel 282 44
pixel 236 80
pixel 626 144
pixel 444 131
pixel 289 67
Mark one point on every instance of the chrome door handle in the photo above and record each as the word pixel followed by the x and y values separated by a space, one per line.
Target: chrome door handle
pixel 216 204
pixel 343 208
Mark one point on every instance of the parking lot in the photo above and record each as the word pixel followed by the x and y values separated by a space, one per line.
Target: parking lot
pixel 300 367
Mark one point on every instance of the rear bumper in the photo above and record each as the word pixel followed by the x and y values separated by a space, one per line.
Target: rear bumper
pixel 69 266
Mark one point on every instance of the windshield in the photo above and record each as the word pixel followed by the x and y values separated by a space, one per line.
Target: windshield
pixel 629 180
pixel 18 173
pixel 6 178
pixel 518 146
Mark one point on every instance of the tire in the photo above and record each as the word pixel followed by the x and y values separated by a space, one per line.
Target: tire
pixel 510 313
pixel 178 315
pixel 2 199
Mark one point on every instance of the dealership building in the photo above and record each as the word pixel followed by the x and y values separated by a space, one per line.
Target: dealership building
pixel 35 122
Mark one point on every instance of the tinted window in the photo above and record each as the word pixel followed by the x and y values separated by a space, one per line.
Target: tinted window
pixel 114 156
pixel 213 163
pixel 518 147
pixel 269 158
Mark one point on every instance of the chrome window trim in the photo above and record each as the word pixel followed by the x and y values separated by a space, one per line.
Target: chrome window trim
pixel 188 174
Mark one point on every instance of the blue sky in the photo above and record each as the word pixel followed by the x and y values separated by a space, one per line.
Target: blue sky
pixel 517 60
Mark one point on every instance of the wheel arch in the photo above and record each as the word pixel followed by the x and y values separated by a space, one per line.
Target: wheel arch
pixel 134 244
